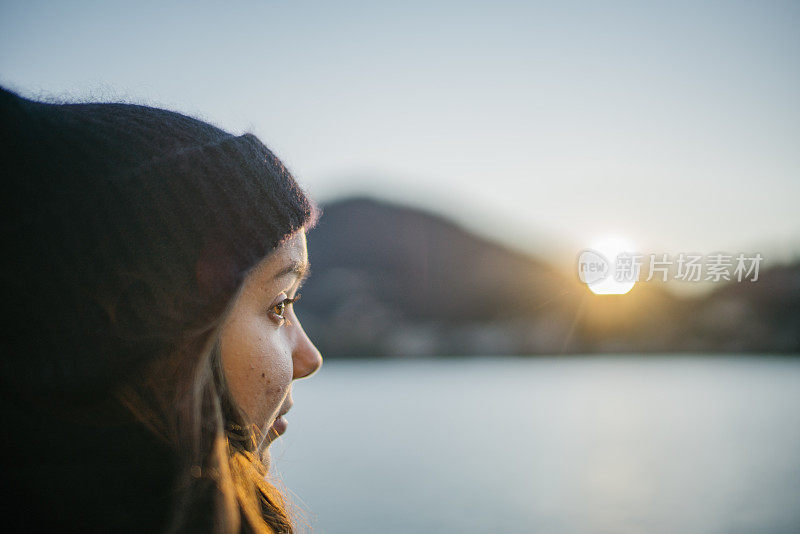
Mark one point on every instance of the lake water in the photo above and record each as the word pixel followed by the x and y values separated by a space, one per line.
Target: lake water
pixel 553 445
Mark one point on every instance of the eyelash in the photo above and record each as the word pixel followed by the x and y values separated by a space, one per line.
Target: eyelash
pixel 282 307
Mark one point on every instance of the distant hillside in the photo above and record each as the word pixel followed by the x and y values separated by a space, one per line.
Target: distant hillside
pixel 392 280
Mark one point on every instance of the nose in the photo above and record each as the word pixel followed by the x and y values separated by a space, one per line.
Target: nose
pixel 306 357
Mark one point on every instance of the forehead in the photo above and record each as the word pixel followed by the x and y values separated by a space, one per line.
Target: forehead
pixel 293 249
pixel 291 253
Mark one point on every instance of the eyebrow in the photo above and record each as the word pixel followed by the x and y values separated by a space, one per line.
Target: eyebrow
pixel 297 268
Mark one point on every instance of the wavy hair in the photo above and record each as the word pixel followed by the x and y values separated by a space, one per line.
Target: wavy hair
pixel 183 400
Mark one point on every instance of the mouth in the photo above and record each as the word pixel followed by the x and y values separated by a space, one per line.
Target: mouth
pixel 279 425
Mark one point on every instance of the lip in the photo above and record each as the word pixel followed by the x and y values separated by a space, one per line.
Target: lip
pixel 280 424
pixel 286 409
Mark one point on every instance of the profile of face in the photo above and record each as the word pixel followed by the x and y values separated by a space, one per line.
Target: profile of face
pixel 263 346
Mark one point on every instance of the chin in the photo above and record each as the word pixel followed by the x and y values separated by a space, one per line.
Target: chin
pixel 265 456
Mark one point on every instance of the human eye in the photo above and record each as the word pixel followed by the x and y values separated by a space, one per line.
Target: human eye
pixel 278 310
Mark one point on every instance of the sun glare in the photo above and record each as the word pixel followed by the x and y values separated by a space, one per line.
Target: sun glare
pixel 609 247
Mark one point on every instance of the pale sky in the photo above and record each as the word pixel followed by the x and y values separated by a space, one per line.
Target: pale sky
pixel 674 124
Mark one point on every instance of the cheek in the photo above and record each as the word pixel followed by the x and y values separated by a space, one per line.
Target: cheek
pixel 258 367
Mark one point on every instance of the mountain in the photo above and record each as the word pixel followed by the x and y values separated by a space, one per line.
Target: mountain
pixel 391 280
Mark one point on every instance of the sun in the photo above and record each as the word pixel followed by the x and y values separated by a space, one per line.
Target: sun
pixel 609 247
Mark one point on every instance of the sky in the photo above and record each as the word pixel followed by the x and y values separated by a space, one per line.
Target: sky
pixel 545 125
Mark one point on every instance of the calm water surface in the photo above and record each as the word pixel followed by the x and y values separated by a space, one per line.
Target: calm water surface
pixel 588 444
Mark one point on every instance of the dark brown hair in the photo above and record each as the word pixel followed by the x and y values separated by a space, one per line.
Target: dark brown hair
pixel 128 231
pixel 183 400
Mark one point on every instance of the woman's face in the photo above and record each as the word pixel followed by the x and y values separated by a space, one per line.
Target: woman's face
pixel 263 346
